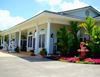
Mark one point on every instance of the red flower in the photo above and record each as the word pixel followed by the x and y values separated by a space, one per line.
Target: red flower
pixel 96 61
pixel 89 60
pixel 72 59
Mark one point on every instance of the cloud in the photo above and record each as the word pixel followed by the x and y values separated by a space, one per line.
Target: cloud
pixel 50 2
pixel 72 5
pixel 62 5
pixel 7 21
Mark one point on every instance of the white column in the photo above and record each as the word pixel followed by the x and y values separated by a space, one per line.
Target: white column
pixel 37 40
pixel 9 40
pixel 27 40
pixel 48 37
pixel 19 43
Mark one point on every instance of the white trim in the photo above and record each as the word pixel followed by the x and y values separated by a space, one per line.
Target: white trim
pixel 9 40
pixel 32 30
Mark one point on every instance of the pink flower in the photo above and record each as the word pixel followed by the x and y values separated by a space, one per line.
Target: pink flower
pixel 76 59
pixel 89 60
pixel 72 59
pixel 96 61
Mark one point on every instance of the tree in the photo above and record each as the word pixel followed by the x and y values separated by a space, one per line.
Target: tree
pixel 93 32
pixel 96 41
pixel 74 28
pixel 96 35
pixel 65 40
pixel 88 26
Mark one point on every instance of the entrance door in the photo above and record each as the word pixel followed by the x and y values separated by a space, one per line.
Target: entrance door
pixel 23 44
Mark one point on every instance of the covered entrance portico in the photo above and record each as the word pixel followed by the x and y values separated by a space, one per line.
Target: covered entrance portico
pixel 37 32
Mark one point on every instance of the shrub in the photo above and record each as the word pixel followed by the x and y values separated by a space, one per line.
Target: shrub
pixel 17 49
pixel 43 52
pixel 32 52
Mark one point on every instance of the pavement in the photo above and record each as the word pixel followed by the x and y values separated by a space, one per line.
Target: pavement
pixel 25 66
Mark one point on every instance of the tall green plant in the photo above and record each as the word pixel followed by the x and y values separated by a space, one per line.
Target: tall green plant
pixel 65 40
pixel 74 28
pixel 93 32
pixel 88 26
pixel 96 40
pixel 96 35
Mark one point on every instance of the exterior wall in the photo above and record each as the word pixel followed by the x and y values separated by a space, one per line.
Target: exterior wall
pixel 53 40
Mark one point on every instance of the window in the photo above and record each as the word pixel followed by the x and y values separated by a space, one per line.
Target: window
pixel 42 41
pixel 33 43
pixel 39 41
pixel 30 41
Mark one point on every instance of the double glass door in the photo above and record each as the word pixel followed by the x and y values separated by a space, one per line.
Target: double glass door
pixel 31 42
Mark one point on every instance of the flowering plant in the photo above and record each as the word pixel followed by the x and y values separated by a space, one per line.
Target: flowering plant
pixel 72 59
pixel 77 60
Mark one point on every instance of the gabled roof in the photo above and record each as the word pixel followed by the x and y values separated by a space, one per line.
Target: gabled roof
pixel 62 14
pixel 87 7
pixel 71 12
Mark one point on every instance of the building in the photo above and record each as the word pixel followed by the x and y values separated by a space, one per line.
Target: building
pixel 40 30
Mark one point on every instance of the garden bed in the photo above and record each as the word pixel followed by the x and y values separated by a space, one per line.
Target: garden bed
pixel 77 60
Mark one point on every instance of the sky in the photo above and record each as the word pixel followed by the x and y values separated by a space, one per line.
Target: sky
pixel 13 12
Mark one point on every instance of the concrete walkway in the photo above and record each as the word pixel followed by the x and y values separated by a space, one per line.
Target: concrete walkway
pixel 20 54
pixel 14 66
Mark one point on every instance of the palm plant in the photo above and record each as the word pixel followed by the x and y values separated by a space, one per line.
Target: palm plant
pixel 65 40
pixel 88 26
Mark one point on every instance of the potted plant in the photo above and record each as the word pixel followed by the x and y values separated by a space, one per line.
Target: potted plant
pixel 1 47
pixel 43 52
pixel 17 49
pixel 32 52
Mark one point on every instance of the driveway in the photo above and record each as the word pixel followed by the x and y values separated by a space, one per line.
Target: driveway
pixel 14 66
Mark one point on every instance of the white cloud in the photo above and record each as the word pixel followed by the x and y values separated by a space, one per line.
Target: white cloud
pixel 63 5
pixel 7 21
pixel 72 5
